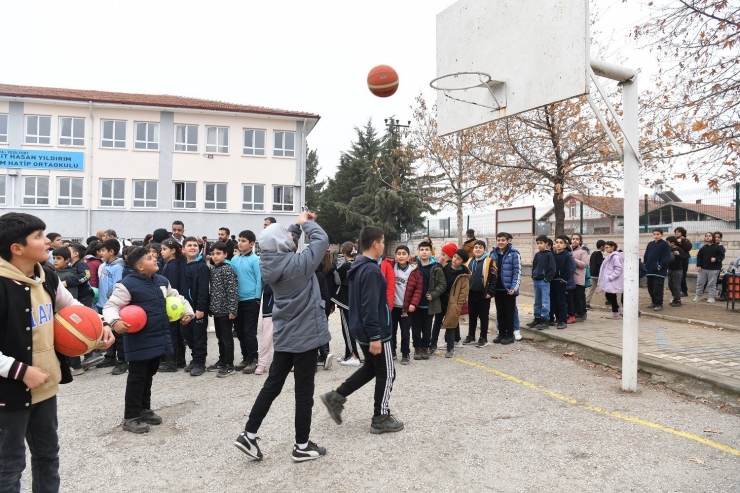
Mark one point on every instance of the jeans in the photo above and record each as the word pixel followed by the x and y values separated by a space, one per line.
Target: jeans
pixel 558 303
pixel 139 386
pixel 709 278
pixel 421 328
pixel 350 345
pixel 37 425
pixel 245 325
pixel 196 335
pixel 304 365
pixel 404 321
pixel 655 288
pixel 674 284
pixel 479 307
pixel 225 339
pixel 377 366
pixel 505 305
pixel 541 299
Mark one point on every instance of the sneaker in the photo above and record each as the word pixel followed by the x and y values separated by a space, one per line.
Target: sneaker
pixel 432 349
pixel 615 314
pixel 497 340
pixel 579 319
pixel 458 344
pixel 241 365
pixel 327 363
pixel 508 340
pixel 533 323
pixel 135 425
pixel 168 366
pixel 248 446
pixel 225 371
pixel 260 370
pixel 450 353
pixel 107 363
pixel 675 304
pixel 542 325
pixel 350 362
pixel 197 370
pixel 251 367
pixel 77 371
pixel 312 451
pixel 589 307
pixel 571 319
pixel 482 343
pixel 425 354
pixel 417 353
pixel 216 366
pixel 92 359
pixel 405 359
pixel 469 340
pixel 150 417
pixel 562 325
pixel 334 403
pixel 395 357
pixel 385 423
pixel 684 295
pixel 658 308
pixel 651 305
pixel 711 300
pixel 517 335
pixel 189 367
pixel 120 369
pixel 696 298
pixel 552 324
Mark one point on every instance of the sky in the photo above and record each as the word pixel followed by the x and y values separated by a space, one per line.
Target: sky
pixel 289 54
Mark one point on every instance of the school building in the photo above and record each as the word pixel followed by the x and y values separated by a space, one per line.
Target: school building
pixel 89 160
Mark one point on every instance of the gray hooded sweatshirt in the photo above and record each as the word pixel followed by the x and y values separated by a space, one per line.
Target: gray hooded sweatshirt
pixel 298 315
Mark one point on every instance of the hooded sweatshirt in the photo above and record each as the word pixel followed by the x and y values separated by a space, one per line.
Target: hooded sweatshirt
pixel 369 315
pixel 247 268
pixel 108 275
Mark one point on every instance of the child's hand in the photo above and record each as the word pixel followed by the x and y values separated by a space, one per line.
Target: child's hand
pixel 376 347
pixel 64 283
pixel 676 253
pixel 107 340
pixel 120 327
pixel 429 297
pixel 185 320
pixel 199 314
pixel 713 259
pixel 511 292
pixel 488 296
pixel 232 317
pixel 35 377
pixel 412 308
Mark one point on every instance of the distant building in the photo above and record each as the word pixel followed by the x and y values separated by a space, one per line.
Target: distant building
pixel 88 160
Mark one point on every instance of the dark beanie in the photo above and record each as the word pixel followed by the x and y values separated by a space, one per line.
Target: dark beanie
pixel 463 254
pixel 160 235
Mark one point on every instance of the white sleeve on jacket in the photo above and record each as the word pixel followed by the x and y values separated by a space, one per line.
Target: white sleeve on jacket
pixel 119 299
pixel 173 292
pixel 5 363
pixel 64 298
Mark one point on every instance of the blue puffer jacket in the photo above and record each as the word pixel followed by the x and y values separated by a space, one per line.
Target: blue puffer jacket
pixel 510 268
pixel 154 339
pixel 571 280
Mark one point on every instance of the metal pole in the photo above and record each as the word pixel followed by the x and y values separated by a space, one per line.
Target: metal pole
pixel 647 217
pixel 468 226
pixel 631 237
pixel 581 217
pixel 737 205
pixel 428 229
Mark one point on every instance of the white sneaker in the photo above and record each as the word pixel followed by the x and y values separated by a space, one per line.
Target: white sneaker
pixel 329 360
pixel 459 344
pixel 711 300
pixel 697 298
pixel 517 335
pixel 350 362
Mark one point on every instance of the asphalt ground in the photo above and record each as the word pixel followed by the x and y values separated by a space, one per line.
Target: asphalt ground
pixel 502 418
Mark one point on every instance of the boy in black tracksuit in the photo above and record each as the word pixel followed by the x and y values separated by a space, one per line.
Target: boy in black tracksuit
pixel 370 324
pixel 195 278
pixel 675 270
pixel 563 271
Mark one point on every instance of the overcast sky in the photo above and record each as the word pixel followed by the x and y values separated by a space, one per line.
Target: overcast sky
pixel 298 55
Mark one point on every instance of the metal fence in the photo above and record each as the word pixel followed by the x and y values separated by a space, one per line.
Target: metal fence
pixel 446 227
pixel 696 210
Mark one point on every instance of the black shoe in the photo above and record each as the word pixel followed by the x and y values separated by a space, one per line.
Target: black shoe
pixel 334 403
pixel 241 365
pixel 225 371
pixel 651 305
pixel 92 359
pixel 135 425
pixel 675 304
pixel 168 365
pixel 658 308
pixel 542 325
pixel 248 446
pixel 190 367
pixel 481 343
pixel 469 340
pixel 197 370
pixel 533 323
pixel 385 423
pixel 108 363
pixel 120 369
pixel 215 367
pixel 498 339
pixel 684 295
pixel 405 359
pixel 251 366
pixel 562 325
pixel 552 324
pixel 432 349
pixel 150 417
pixel 312 451
pixel 508 340
pixel 589 307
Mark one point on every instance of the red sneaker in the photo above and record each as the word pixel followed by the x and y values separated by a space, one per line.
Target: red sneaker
pixel 571 319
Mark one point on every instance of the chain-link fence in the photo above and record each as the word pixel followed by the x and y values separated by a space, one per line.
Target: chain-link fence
pixel 484 226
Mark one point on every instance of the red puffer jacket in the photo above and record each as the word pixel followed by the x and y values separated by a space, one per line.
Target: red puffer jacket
pixel 414 288
pixel 386 268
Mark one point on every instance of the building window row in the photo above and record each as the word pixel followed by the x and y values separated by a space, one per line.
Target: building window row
pixel 146 136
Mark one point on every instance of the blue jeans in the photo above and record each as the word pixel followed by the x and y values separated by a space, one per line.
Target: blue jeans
pixel 37 425
pixel 541 299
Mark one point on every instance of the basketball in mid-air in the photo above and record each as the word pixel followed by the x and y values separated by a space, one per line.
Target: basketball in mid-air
pixel 135 316
pixel 382 81
pixel 77 330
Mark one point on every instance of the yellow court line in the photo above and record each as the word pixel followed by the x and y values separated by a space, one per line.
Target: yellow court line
pixel 596 409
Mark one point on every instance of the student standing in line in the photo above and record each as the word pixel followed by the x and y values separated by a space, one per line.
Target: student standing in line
pixel 674 270
pixel 224 305
pixel 657 256
pixel 686 245
pixel 195 280
pixel 597 258
pixel 708 263
pixel 558 286
pixel 173 260
pixel 482 287
pixel 341 299
pixel 434 285
pixel 247 267
pixel 543 271
pixel 407 296
pixel 507 288
pixel 457 276
pixel 611 276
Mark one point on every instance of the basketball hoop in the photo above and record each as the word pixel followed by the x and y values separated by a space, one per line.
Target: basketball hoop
pixel 484 81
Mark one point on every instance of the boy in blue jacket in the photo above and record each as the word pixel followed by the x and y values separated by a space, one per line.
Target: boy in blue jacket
pixel 370 324
pixel 247 267
pixel 109 273
pixel 657 257
pixel 543 271
pixel 507 287
pixel 195 280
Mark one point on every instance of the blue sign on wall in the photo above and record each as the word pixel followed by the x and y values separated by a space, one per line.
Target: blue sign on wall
pixel 34 159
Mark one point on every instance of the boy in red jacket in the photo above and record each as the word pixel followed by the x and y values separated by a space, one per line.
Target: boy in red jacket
pixel 407 290
pixel 386 268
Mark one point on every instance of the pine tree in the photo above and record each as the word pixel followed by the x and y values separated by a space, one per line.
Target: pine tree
pixel 313 187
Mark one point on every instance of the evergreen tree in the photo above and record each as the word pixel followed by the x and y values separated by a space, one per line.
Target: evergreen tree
pixel 313 187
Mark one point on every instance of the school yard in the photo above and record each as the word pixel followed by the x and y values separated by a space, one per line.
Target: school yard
pixel 525 417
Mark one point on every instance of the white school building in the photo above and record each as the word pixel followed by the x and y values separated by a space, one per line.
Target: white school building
pixel 89 160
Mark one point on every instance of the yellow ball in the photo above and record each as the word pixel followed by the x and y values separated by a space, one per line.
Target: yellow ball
pixel 175 308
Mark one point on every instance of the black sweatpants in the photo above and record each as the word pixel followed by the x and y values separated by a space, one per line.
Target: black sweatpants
pixel 479 307
pixel 377 366
pixel 139 386
pixel 505 304
pixel 684 269
pixel 421 328
pixel 612 298
pixel 558 302
pixel 398 319
pixel 245 325
pixel 579 300
pixel 350 345
pixel 304 365
pixel 225 338
pixel 116 349
pixel 655 288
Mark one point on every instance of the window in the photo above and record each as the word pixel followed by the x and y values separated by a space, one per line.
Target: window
pixel 145 193
pixel 217 140
pixel 184 197
pixel 71 131
pixel 111 193
pixel 3 128
pixel 38 129
pixel 2 189
pixel 216 196
pixel 186 138
pixel 284 144
pixel 69 192
pixel 114 134
pixel 254 142
pixel 35 190
pixel 572 210
pixel 253 197
pixel 147 136
pixel 282 198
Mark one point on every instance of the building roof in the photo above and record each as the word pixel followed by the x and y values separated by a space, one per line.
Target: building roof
pixel 614 207
pixel 158 100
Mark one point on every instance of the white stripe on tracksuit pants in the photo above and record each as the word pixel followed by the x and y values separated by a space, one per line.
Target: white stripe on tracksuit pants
pixel 379 367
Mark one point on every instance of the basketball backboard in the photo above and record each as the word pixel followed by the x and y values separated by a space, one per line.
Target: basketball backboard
pixel 536 52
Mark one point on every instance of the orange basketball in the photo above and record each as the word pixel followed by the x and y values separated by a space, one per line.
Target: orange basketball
pixel 77 330
pixel 135 316
pixel 382 81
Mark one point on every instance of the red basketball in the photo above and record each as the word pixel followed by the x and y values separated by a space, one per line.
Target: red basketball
pixel 382 81
pixel 77 330
pixel 135 316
